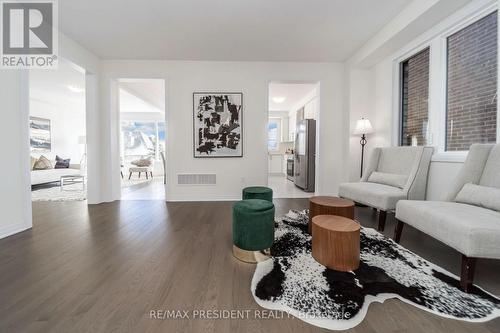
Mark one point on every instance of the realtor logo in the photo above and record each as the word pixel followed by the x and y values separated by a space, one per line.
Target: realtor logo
pixel 29 34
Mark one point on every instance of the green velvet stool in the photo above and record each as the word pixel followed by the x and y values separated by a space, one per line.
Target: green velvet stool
pixel 258 192
pixel 253 229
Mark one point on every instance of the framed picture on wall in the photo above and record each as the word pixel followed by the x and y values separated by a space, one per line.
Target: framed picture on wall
pixel 217 124
pixel 40 135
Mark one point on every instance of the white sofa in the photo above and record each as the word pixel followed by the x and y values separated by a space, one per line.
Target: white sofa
pixel 469 218
pixel 39 177
pixel 392 174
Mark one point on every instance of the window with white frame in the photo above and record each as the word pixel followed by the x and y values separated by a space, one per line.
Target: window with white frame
pixel 414 88
pixel 471 107
pixel 447 92
pixel 273 134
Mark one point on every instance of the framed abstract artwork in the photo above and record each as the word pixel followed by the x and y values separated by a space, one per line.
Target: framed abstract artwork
pixel 217 124
pixel 40 141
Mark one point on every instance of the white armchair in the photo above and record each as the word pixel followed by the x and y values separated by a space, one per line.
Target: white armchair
pixel 469 218
pixel 392 174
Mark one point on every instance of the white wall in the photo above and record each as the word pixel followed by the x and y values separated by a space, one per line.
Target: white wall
pixel 67 123
pixel 252 78
pixel 15 195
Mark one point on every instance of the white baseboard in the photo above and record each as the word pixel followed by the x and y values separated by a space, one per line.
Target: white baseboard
pixel 12 229
pixel 222 198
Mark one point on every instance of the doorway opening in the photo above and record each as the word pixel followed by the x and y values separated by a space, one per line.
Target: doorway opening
pixel 57 129
pixel 142 139
pixel 292 138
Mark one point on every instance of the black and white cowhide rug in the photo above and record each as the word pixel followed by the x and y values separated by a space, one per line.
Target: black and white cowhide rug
pixel 294 282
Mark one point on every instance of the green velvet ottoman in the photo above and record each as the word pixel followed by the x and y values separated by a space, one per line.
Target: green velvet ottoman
pixel 253 229
pixel 258 192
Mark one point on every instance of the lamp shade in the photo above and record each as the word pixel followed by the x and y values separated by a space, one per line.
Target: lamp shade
pixel 363 126
pixel 82 139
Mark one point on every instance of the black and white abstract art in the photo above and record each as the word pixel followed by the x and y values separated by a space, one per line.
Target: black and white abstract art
pixel 292 281
pixel 218 124
pixel 40 141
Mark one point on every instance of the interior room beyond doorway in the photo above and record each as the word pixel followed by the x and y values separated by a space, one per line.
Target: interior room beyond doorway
pixel 291 144
pixel 142 138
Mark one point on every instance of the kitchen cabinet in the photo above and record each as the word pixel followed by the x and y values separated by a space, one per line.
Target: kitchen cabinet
pixel 276 164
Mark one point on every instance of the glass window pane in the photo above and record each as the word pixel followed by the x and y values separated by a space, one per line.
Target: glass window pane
pixel 472 85
pixel 140 139
pixel 273 134
pixel 414 99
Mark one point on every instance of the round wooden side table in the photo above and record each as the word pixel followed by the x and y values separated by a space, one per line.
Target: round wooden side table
pixel 335 242
pixel 323 205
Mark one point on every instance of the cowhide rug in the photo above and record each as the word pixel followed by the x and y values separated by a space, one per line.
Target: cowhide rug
pixel 294 282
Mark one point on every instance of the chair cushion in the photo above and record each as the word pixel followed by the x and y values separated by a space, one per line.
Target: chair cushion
pixel 391 179
pixel 253 205
pixel 142 162
pixel 372 194
pixel 471 230
pixel 258 192
pixel 482 196
pixel 398 160
pixel 139 169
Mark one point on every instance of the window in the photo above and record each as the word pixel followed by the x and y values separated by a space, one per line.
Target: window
pixel 142 139
pixel 273 134
pixel 472 85
pixel 414 99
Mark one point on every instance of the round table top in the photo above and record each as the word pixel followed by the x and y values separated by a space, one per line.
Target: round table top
pixel 336 223
pixel 331 201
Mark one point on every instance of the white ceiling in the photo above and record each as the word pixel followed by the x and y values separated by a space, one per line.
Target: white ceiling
pixel 238 30
pixel 142 95
pixel 51 86
pixel 292 92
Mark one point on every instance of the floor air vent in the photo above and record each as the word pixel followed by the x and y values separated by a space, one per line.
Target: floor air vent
pixel 196 179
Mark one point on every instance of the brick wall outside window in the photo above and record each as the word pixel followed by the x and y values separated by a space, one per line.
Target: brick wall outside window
pixel 414 99
pixel 472 85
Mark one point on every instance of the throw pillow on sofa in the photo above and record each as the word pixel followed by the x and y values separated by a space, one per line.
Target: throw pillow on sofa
pixel 482 196
pixel 43 163
pixel 391 179
pixel 33 162
pixel 61 163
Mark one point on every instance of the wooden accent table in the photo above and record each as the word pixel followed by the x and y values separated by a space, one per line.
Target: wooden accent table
pixel 335 242
pixel 330 206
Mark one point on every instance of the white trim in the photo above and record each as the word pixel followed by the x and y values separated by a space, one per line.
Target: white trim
pixel 450 156
pixel 13 229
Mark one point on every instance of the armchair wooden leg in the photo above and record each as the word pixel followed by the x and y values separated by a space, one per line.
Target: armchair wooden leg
pixel 151 172
pixel 382 216
pixel 129 176
pixel 139 174
pixel 467 275
pixel 147 177
pixel 398 230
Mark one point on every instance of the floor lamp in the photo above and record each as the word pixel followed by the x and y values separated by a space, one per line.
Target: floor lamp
pixel 363 127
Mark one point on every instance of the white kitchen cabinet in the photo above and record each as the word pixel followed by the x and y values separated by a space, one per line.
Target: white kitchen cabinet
pixel 276 163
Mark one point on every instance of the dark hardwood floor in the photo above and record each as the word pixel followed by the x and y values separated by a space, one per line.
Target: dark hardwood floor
pixel 103 268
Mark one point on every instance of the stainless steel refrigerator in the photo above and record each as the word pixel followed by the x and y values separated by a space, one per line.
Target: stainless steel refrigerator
pixel 305 154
